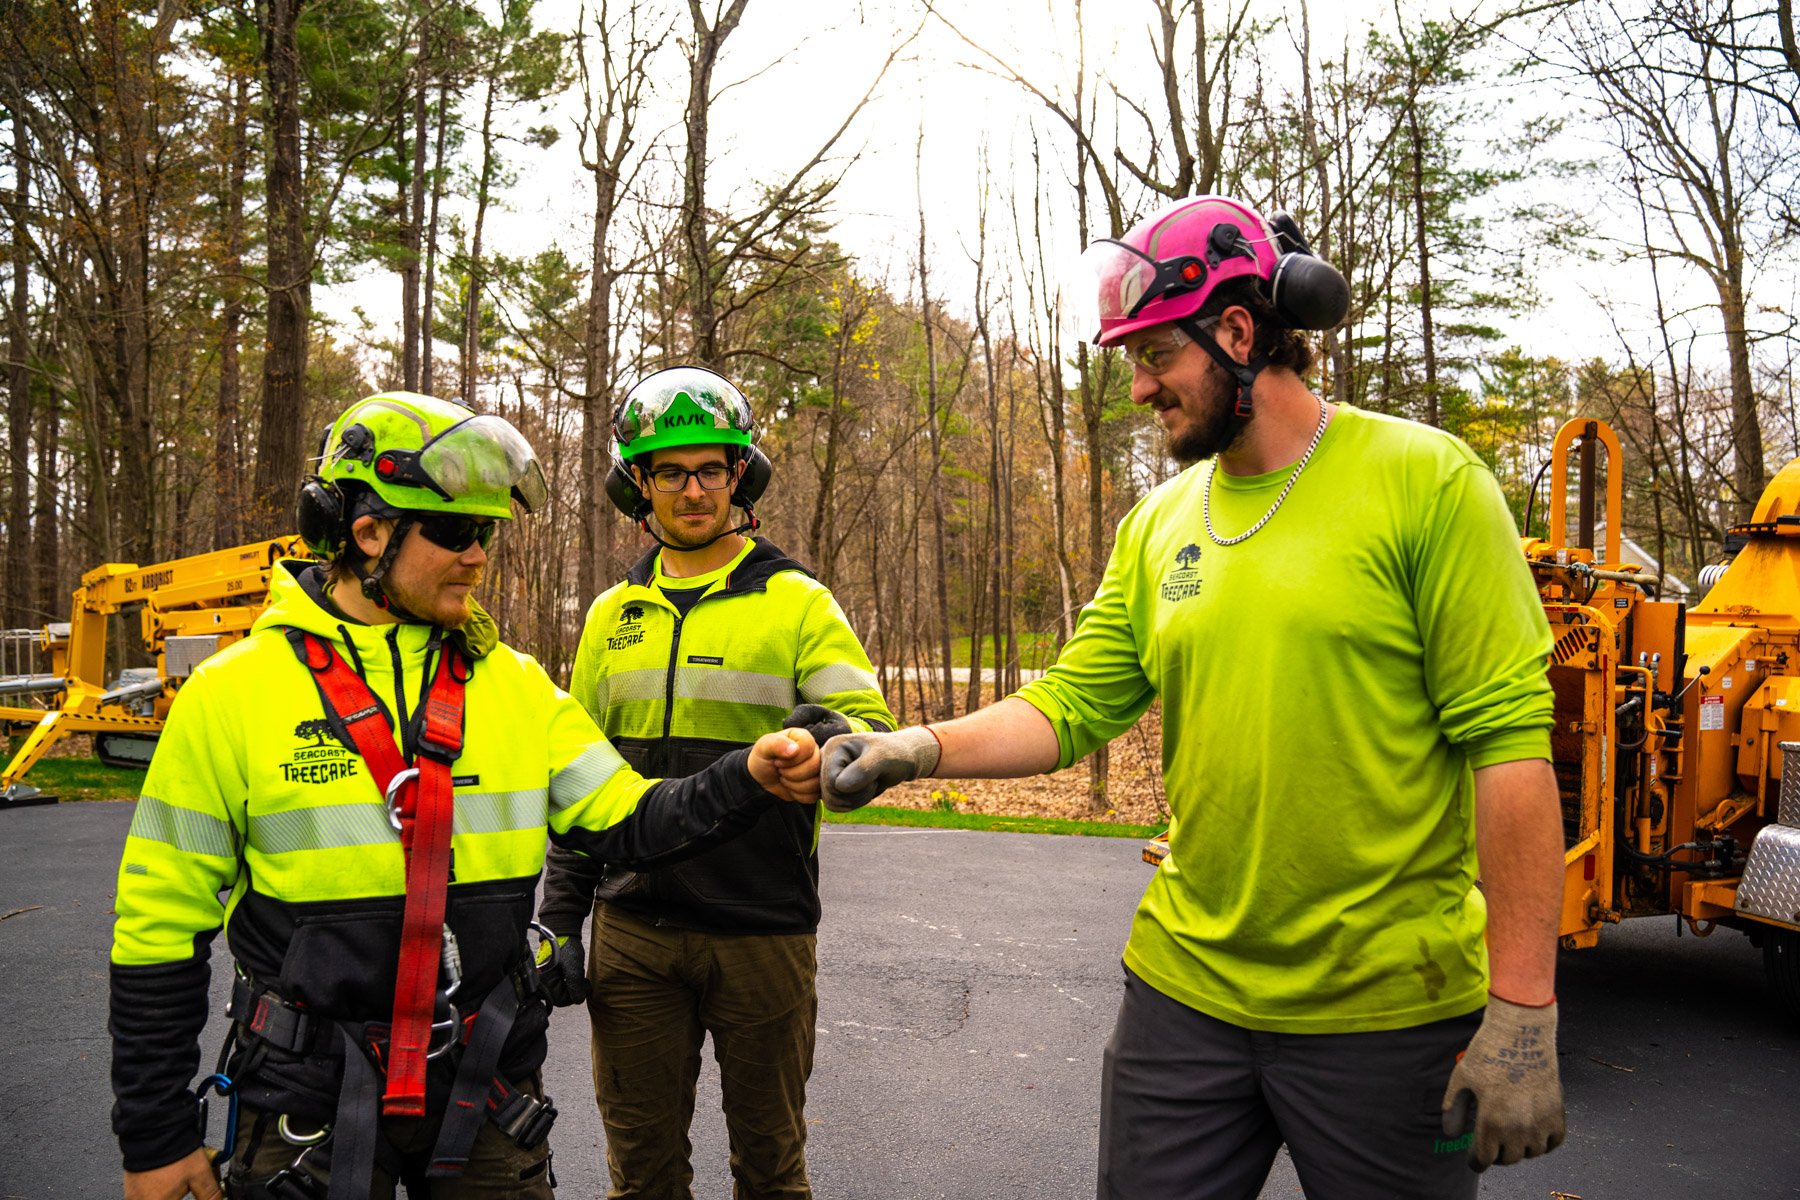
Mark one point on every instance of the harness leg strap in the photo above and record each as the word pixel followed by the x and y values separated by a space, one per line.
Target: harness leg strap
pixel 357 1127
pixel 467 1109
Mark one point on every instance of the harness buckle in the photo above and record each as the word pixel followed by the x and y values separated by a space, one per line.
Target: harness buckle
pixel 525 1119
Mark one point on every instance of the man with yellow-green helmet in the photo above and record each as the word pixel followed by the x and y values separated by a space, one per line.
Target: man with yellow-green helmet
pixel 708 640
pixel 379 876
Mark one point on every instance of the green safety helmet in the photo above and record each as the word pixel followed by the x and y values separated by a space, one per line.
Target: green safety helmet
pixel 681 406
pixel 417 453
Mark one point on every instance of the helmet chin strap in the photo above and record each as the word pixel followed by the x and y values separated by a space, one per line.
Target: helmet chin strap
pixel 370 581
pixel 1244 373
pixel 750 525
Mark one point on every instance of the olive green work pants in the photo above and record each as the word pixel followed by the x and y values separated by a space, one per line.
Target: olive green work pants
pixel 657 992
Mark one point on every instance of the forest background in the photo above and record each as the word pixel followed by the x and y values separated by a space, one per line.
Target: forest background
pixel 227 219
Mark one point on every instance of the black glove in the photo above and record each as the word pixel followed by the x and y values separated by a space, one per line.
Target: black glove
pixel 823 723
pixel 562 970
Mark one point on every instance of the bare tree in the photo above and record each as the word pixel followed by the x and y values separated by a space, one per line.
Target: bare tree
pixel 1697 145
pixel 612 89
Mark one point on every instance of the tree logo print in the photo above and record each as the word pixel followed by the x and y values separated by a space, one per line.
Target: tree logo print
pixel 1187 556
pixel 631 614
pixel 318 729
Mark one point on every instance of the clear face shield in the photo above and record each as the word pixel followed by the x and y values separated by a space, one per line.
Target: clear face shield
pixel 1125 280
pixel 484 456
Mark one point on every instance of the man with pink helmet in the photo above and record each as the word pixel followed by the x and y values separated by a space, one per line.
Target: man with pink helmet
pixel 1350 655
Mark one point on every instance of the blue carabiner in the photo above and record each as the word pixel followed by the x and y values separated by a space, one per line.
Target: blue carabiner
pixel 223 1085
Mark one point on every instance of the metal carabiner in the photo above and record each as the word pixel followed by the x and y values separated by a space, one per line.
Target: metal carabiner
pixel 449 1028
pixel 286 1130
pixel 400 780
pixel 223 1085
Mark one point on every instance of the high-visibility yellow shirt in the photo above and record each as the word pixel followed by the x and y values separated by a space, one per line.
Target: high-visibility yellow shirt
pixel 1328 686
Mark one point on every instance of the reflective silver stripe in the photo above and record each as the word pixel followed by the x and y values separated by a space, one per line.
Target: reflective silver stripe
pixel 734 687
pixel 634 685
pixel 325 827
pixel 587 773
pixel 188 831
pixel 136 869
pixel 835 678
pixel 500 812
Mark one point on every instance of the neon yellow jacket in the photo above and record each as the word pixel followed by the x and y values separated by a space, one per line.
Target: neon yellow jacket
pixel 1328 685
pixel 250 795
pixel 674 693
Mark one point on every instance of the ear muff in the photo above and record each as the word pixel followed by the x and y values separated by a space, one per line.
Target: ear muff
pixel 622 490
pixel 320 516
pixel 1307 291
pixel 757 473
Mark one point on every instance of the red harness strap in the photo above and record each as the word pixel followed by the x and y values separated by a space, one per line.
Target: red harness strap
pixel 421 803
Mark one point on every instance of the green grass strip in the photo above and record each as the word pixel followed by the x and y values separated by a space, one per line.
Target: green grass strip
pixel 85 779
pixel 89 779
pixel 932 818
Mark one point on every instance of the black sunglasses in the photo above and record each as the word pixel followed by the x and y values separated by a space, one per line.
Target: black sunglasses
pixel 455 532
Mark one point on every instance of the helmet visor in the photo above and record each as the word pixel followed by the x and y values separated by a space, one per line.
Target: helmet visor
pixel 642 412
pixel 484 457
pixel 1125 280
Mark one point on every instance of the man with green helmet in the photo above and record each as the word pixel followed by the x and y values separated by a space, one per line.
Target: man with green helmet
pixel 706 642
pixel 369 779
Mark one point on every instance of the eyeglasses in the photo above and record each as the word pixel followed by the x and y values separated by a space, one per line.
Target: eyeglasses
pixel 712 477
pixel 455 532
pixel 1156 353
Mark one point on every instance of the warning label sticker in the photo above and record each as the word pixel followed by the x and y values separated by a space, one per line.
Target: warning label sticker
pixel 1712 713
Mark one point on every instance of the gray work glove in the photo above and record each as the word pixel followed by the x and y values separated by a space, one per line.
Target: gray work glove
pixel 861 766
pixel 823 723
pixel 1506 1086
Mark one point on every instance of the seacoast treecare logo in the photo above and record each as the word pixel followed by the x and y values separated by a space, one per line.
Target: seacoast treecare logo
pixel 630 630
pixel 324 760
pixel 1183 580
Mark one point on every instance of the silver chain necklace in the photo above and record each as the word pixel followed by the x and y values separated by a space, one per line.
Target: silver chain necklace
pixel 1206 496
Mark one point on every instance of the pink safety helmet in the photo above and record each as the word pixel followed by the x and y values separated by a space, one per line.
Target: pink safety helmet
pixel 1167 266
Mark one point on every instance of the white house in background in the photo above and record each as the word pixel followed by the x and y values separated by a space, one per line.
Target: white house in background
pixel 1673 586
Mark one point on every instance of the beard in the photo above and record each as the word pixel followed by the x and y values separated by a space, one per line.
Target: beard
pixel 429 602
pixel 1216 428
pixel 676 535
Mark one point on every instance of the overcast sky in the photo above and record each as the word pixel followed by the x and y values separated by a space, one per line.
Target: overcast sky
pixel 796 67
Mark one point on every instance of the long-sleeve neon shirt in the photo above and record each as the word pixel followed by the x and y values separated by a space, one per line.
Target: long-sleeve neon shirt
pixel 1328 687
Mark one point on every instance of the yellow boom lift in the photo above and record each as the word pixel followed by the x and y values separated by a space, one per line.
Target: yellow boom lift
pixel 191 609
pixel 1677 735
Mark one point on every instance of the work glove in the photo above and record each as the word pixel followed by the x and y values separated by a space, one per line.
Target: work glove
pixel 562 970
pixel 861 766
pixel 1507 1087
pixel 823 723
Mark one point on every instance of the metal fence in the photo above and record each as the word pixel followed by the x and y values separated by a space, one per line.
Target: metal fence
pixel 22 653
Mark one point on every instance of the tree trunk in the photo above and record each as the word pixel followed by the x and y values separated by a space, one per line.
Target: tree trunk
pixel 702 312
pixel 428 303
pixel 414 208
pixel 471 354
pixel 1426 334
pixel 284 361
pixel 51 603
pixel 228 462
pixel 18 398
pixel 1747 472
pixel 596 405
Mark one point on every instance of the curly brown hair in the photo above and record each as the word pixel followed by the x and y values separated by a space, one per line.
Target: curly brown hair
pixel 1275 340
